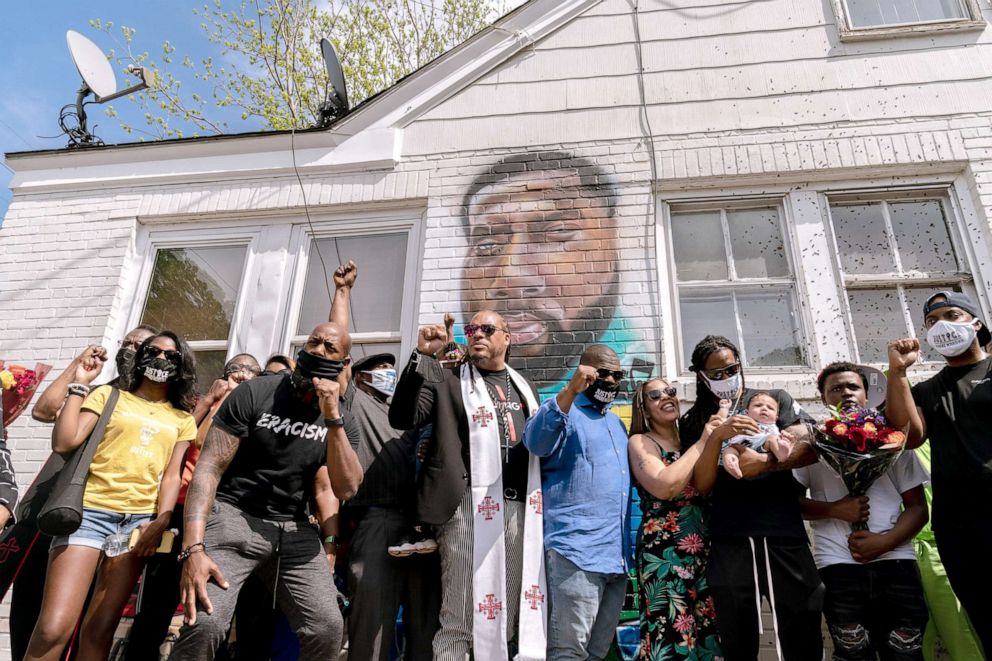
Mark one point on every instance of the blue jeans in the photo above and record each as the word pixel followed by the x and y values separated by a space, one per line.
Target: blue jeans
pixel 98 525
pixel 585 608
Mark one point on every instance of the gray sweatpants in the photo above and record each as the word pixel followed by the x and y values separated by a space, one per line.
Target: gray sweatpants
pixel 285 554
pixel 454 540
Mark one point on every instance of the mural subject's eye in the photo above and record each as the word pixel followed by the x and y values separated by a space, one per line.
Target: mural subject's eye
pixel 486 247
pixel 563 232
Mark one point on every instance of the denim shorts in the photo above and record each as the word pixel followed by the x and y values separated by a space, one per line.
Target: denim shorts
pixel 98 525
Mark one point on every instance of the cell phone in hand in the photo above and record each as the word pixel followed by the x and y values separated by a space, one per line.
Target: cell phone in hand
pixel 165 546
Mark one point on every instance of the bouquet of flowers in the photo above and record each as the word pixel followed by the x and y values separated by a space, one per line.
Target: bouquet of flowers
pixel 18 385
pixel 860 445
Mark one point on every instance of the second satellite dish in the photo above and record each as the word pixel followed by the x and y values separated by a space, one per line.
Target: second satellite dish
pixel 336 104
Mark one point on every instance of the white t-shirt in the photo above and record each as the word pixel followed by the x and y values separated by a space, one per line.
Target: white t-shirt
pixel 884 499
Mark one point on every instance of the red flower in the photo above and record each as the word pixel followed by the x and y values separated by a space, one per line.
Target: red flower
pixel 830 424
pixel 684 623
pixel 839 430
pixel 859 438
pixel 691 543
pixel 671 523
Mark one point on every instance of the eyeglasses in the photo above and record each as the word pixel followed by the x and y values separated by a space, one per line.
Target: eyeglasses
pixel 170 354
pixel 244 367
pixel 723 372
pixel 655 395
pixel 128 345
pixel 604 373
pixel 487 329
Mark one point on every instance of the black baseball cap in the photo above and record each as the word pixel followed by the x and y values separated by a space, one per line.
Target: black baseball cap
pixel 956 299
pixel 362 364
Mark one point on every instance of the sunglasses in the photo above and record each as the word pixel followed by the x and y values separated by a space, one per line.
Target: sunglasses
pixel 233 369
pixel 170 354
pixel 604 373
pixel 723 372
pixel 487 329
pixel 655 395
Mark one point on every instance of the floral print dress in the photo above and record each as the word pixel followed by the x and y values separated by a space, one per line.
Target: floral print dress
pixel 678 620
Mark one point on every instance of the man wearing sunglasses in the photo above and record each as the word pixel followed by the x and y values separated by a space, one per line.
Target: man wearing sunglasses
pixel 586 480
pixel 276 444
pixel 481 488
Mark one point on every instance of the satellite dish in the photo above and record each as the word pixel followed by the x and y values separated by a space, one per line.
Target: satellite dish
pixel 336 104
pixel 91 63
pixel 98 79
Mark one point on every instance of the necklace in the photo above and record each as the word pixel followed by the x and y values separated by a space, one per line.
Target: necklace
pixel 502 405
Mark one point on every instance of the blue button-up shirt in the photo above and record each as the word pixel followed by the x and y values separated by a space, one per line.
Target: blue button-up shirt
pixel 586 481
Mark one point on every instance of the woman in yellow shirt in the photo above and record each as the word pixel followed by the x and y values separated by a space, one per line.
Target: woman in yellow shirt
pixel 132 484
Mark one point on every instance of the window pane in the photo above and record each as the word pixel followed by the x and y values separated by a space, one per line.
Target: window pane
pixel 916 297
pixel 756 239
pixel 870 13
pixel 359 351
pixel 194 290
pixel 878 318
pixel 378 297
pixel 770 325
pixel 706 314
pixel 921 235
pixel 861 239
pixel 209 368
pixel 698 247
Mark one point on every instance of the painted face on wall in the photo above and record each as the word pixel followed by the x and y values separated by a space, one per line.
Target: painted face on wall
pixel 543 252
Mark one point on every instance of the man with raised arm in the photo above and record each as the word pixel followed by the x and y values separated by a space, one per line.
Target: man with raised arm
pixel 481 488
pixel 276 443
pixel 954 409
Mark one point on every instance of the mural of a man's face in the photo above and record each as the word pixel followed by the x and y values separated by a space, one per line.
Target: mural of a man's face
pixel 543 253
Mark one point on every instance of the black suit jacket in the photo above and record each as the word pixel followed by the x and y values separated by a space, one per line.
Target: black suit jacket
pixel 426 393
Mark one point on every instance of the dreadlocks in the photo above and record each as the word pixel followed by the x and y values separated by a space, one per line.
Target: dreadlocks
pixel 706 404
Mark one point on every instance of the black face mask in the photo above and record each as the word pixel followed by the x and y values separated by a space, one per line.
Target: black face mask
pixel 602 392
pixel 125 362
pixel 310 366
pixel 159 370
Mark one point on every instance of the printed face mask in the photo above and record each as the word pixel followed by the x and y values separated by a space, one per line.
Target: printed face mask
pixel 383 380
pixel 124 360
pixel 602 392
pixel 951 339
pixel 724 388
pixel 160 370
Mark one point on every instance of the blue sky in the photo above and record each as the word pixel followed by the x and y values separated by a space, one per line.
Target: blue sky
pixel 38 77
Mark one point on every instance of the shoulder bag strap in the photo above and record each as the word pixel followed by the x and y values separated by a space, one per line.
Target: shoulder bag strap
pixel 88 450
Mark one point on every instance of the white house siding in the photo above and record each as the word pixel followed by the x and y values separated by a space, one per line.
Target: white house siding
pixel 747 99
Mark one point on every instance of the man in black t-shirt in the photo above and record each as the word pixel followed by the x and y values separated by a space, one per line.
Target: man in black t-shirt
pixel 276 444
pixel 954 409
pixel 759 544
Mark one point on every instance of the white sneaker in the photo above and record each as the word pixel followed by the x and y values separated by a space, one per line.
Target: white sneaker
pixel 425 546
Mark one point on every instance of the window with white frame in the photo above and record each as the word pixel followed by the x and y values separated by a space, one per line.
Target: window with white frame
pixel 376 311
pixel 734 276
pixel 194 292
pixel 879 18
pixel 894 251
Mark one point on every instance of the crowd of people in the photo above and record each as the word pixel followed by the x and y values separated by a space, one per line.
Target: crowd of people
pixel 315 500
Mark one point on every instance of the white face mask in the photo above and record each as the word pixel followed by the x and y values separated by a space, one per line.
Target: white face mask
pixel 724 388
pixel 950 338
pixel 383 380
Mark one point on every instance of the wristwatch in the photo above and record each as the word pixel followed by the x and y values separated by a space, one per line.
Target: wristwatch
pixel 334 422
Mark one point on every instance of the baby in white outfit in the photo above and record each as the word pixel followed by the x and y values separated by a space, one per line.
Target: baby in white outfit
pixel 763 409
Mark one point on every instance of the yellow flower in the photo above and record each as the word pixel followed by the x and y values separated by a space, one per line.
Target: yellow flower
pixel 6 379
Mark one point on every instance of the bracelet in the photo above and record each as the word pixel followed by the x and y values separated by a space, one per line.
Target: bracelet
pixel 199 547
pixel 80 389
pixel 334 422
pixel 332 539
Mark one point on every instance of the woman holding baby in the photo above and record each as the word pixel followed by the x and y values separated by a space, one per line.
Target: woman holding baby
pixel 752 521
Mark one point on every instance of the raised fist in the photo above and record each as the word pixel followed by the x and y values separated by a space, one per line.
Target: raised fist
pixel 433 338
pixel 903 354
pixel 345 275
pixel 584 377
